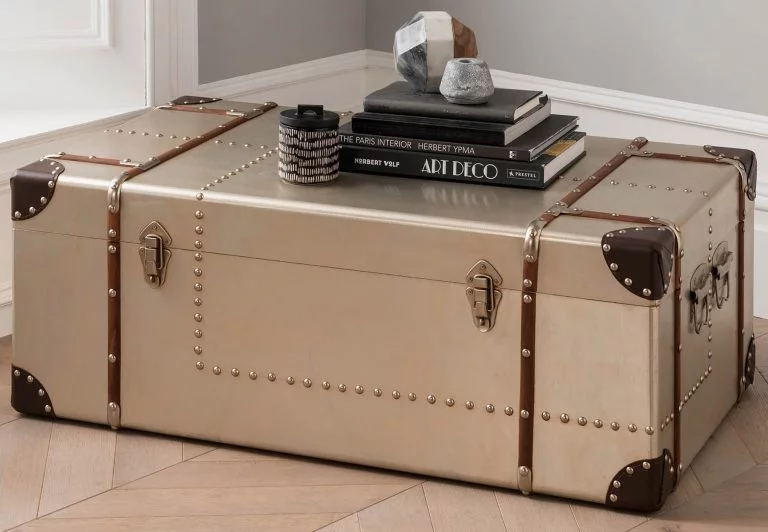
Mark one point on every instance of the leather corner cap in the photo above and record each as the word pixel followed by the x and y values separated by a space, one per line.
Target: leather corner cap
pixel 746 157
pixel 28 395
pixel 641 259
pixel 642 486
pixel 32 188
pixel 749 363
pixel 193 100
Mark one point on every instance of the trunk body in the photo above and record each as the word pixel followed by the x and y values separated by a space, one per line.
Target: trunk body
pixel 478 333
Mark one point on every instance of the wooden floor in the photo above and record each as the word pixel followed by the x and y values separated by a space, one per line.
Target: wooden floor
pixel 61 476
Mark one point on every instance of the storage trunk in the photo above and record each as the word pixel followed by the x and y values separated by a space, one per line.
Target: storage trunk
pixel 583 341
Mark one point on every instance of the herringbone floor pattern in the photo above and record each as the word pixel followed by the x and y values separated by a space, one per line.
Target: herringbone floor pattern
pixel 60 476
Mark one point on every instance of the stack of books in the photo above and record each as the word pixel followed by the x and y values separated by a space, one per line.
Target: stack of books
pixel 512 140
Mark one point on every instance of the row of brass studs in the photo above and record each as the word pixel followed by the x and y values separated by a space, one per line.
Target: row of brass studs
pixel 224 177
pixel 233 143
pixel 198 286
pixel 360 390
pixel 146 134
pixel 614 182
pixel 598 423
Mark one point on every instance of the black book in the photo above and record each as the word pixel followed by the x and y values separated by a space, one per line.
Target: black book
pixel 449 129
pixel 401 98
pixel 537 174
pixel 525 148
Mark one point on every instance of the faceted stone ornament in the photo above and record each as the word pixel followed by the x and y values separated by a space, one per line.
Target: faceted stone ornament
pixel 425 44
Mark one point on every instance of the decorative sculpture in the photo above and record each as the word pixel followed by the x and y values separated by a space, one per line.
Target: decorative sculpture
pixel 467 81
pixel 424 45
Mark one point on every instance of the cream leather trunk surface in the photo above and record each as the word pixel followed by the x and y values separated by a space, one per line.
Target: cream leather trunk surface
pixel 333 321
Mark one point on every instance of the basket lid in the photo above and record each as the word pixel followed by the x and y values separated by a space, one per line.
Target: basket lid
pixel 309 117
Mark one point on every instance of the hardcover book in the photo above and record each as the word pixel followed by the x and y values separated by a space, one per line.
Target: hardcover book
pixel 525 148
pixel 449 129
pixel 506 105
pixel 536 174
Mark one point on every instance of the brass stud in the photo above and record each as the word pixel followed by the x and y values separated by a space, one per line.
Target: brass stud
pixel 524 414
pixel 17 214
pixel 198 257
pixel 198 317
pixel 649 431
pixel 615 425
pixel 449 402
pixel 326 385
pixel 198 272
pixel 199 196
pixel 431 399
pixel 613 497
pixel 509 410
pixel 216 370
pixel 490 409
pixel 198 214
pixel 198 287
pixel 30 379
pixel 112 249
pixel 112 233
pixel 396 395
pixel 342 388
pixel 614 266
pixel 235 372
pixel 527 283
pixel 646 466
pixel 646 292
pixel 197 301
pixel 112 358
pixel 412 396
pixel 565 418
pixel 112 292
pixel 630 470
pixel 582 420
pixel 198 350
pixel 271 377
pixel 198 244
pixel 377 392
pixel 527 298
pixel 628 281
pixel 16 373
pixel 290 380
pixel 199 230
pixel 41 392
pixel 526 353
pixel 359 390
pixel 544 415
pixel 307 383
pixel 598 424
pixel 253 375
pixel 470 405
pixel 606 248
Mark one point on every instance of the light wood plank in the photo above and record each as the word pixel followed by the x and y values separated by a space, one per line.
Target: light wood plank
pixel 688 489
pixel 79 465
pixel 661 525
pixel 756 479
pixel 229 501
pixel 750 419
pixel 191 450
pixel 729 508
pixel 229 523
pixel 138 455
pixel 548 514
pixel 7 413
pixel 348 524
pixel 193 474
pixel 406 512
pixel 723 457
pixel 23 448
pixel 598 519
pixel 461 508
pixel 760 327
pixel 227 454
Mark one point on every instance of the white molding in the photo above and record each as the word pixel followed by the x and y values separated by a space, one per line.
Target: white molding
pixel 98 35
pixel 173 46
pixel 306 72
pixel 6 308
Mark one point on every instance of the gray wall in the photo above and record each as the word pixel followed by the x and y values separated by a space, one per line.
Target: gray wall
pixel 705 52
pixel 238 37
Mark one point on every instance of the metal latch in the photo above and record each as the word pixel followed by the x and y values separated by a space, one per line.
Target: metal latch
pixel 483 295
pixel 155 253
pixel 721 267
pixel 701 290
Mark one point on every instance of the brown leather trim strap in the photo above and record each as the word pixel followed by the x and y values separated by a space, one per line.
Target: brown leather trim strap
pixel 113 237
pixel 528 311
pixel 93 159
